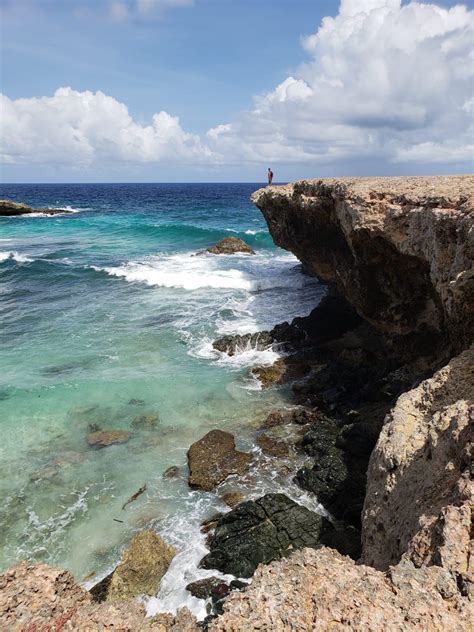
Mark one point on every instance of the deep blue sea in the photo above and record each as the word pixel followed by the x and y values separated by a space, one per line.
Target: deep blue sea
pixel 106 316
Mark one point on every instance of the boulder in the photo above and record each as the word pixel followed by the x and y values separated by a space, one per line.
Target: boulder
pixel 204 588
pixel 237 343
pixel 142 567
pixel 260 531
pixel 272 446
pixel 213 458
pixel 230 246
pixel 104 438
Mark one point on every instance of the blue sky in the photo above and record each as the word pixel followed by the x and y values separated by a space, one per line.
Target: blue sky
pixel 206 62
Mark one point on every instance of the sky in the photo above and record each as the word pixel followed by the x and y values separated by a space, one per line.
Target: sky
pixel 218 90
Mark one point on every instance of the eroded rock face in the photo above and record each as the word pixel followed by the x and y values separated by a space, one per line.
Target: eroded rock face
pixel 401 250
pixel 230 246
pixel 322 590
pixel 419 493
pixel 10 208
pixel 261 531
pixel 213 458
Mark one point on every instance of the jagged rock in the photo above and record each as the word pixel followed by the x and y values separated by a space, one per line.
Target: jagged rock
pixel 272 446
pixel 230 246
pixel 261 531
pixel 237 343
pixel 322 590
pixel 204 588
pixel 143 565
pixel 104 438
pixel 419 494
pixel 10 208
pixel 213 458
pixel 400 250
pixel 298 415
pixel 283 370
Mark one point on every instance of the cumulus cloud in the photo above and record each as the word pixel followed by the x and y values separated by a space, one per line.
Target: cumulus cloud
pixel 383 80
pixel 87 127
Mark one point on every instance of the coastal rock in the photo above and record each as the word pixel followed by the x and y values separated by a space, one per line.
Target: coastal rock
pixel 146 422
pixel 232 499
pixel 283 370
pixel 143 565
pixel 400 250
pixel 322 590
pixel 260 531
pixel 419 495
pixel 205 588
pixel 104 438
pixel 272 446
pixel 230 246
pixel 9 208
pixel 213 458
pixel 237 343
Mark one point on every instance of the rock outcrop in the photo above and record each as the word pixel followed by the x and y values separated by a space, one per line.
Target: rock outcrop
pixel 104 438
pixel 10 209
pixel 419 501
pixel 322 590
pixel 231 246
pixel 213 458
pixel 400 250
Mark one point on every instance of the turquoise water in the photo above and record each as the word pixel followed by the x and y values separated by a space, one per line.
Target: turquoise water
pixel 106 315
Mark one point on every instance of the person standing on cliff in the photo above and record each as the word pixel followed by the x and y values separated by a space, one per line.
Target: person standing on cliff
pixel 270 176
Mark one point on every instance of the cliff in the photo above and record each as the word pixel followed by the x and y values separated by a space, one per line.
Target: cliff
pixel 400 250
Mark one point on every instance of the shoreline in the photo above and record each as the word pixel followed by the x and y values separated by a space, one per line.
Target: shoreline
pixel 377 243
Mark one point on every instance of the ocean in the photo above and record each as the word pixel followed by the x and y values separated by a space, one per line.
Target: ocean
pixel 107 317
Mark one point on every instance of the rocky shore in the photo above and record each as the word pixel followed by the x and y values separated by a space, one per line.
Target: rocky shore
pixel 8 208
pixel 380 424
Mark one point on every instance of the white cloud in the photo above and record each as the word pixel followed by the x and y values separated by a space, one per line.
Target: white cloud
pixel 85 128
pixel 384 82
pixel 121 9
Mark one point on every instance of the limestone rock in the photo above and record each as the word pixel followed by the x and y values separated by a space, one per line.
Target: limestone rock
pixel 10 208
pixel 322 590
pixel 213 458
pixel 142 566
pixel 230 246
pixel 261 531
pixel 419 493
pixel 104 438
pixel 401 250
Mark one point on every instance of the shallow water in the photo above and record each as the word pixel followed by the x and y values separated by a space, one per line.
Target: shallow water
pixel 106 315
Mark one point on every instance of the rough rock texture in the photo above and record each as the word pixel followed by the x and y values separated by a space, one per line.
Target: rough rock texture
pixel 322 590
pixel 230 246
pixel 143 565
pixel 10 208
pixel 401 250
pixel 104 438
pixel 261 531
pixel 419 498
pixel 213 458
pixel 41 598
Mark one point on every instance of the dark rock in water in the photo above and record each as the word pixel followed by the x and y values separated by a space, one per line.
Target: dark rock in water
pixel 272 446
pixel 213 458
pixel 173 472
pixel 232 499
pixel 238 585
pixel 238 343
pixel 146 422
pixel 230 246
pixel 211 523
pixel 136 402
pixel 261 531
pixel 281 371
pixel 10 208
pixel 104 438
pixel 205 588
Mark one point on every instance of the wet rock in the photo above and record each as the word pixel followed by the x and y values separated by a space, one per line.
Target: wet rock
pixel 136 402
pixel 213 458
pixel 204 588
pixel 230 246
pixel 10 208
pixel 233 498
pixel 260 531
pixel 272 446
pixel 283 370
pixel 237 343
pixel 142 566
pixel 210 523
pixel 104 438
pixel 146 422
pixel 173 472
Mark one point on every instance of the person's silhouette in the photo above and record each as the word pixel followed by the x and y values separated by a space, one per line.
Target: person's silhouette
pixel 270 176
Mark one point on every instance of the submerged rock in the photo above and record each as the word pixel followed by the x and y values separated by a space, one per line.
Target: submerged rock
pixel 10 208
pixel 230 246
pixel 104 438
pixel 146 422
pixel 272 446
pixel 213 458
pixel 261 531
pixel 232 499
pixel 142 566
